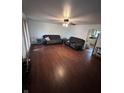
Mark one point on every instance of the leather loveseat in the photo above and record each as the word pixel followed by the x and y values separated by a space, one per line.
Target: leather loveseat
pixel 75 43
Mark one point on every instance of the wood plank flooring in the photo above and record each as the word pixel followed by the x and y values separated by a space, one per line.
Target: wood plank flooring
pixel 61 69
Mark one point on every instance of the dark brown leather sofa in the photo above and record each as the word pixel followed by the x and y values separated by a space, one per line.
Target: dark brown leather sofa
pixel 75 43
pixel 54 39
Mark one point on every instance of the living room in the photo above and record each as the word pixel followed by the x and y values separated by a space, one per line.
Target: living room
pixel 58 38
pixel 54 46
pixel 36 30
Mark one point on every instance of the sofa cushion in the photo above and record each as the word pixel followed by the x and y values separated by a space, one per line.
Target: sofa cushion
pixel 54 41
pixel 75 39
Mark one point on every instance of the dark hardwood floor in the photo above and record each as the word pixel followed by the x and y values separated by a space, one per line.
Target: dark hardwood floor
pixel 61 69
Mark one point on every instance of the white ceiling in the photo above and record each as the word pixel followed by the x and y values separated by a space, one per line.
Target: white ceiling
pixel 79 11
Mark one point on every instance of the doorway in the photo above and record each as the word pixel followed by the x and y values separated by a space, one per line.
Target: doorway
pixel 91 40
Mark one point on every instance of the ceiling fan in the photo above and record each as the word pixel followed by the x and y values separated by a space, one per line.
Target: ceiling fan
pixel 65 19
pixel 67 22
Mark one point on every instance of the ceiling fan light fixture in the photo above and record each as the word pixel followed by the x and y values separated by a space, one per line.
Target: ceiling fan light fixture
pixel 65 25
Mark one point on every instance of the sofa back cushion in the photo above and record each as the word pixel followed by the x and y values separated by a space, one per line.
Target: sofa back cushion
pixel 76 40
pixel 52 37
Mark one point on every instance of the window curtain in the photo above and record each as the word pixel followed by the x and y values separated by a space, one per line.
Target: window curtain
pixel 25 38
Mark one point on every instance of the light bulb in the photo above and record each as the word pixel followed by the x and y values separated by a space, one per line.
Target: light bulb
pixel 66 25
pixel 63 24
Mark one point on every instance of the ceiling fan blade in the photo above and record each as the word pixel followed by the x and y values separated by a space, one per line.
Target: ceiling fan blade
pixel 77 19
pixel 47 19
pixel 59 19
pixel 71 23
